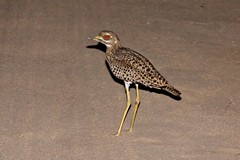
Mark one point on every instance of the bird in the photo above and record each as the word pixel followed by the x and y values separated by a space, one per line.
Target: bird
pixel 132 68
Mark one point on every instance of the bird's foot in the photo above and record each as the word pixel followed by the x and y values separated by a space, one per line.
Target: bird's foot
pixel 117 135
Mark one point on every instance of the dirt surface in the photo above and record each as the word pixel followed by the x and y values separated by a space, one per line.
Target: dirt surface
pixel 59 101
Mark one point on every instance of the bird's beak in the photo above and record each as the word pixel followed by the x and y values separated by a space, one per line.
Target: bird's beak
pixel 96 38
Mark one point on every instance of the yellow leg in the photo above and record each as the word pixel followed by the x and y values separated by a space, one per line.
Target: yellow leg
pixel 136 108
pixel 127 84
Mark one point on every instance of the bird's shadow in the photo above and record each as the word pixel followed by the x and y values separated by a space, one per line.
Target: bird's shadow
pixel 103 48
pixel 99 46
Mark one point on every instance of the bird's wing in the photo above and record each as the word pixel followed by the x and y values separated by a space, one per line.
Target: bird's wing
pixel 134 59
pixel 139 67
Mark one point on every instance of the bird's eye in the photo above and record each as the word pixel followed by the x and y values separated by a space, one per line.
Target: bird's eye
pixel 106 37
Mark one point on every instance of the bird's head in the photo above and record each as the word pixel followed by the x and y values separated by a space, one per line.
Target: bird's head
pixel 108 38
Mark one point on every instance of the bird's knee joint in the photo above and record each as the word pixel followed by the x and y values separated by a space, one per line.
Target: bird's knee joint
pixel 137 102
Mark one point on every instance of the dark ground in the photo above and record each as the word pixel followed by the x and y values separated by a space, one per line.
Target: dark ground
pixel 59 101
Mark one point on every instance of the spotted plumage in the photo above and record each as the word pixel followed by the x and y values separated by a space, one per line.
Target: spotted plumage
pixel 131 67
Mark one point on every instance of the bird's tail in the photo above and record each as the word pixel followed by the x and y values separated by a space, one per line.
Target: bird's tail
pixel 172 90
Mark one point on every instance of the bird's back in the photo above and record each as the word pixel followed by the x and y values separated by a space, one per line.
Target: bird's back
pixel 131 66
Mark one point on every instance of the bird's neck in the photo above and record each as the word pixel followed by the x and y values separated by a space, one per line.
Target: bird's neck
pixel 111 49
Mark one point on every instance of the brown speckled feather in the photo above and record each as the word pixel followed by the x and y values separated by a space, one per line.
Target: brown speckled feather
pixel 130 66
